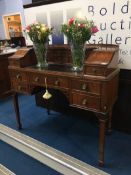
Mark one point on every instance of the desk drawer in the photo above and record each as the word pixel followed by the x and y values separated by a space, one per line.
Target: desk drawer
pixel 58 82
pixel 18 75
pixel 86 101
pixel 94 70
pixel 37 78
pixel 20 87
pixel 91 87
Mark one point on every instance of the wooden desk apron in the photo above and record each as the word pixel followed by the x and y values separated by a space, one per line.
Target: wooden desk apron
pixel 93 93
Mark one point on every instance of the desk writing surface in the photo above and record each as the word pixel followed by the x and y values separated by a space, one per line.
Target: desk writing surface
pixel 66 71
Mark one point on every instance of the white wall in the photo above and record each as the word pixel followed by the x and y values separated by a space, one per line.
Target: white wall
pixel 112 17
pixel 11 7
pixel 27 2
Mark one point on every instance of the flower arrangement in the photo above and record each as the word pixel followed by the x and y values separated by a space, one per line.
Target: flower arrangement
pixel 38 32
pixel 39 35
pixel 79 30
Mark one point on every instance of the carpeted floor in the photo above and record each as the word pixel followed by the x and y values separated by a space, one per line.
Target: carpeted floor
pixel 73 135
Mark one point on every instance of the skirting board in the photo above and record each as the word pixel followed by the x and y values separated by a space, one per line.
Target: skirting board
pixel 5 171
pixel 49 156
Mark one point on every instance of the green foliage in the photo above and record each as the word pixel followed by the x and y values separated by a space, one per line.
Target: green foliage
pixel 79 30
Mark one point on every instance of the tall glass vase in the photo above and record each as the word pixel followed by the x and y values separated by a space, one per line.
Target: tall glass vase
pixel 41 54
pixel 78 55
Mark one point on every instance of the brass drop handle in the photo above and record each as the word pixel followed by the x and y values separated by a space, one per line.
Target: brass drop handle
pixel 46 95
pixel 19 87
pixel 18 76
pixel 84 86
pixel 57 82
pixel 36 79
pixel 84 102
pixel 105 107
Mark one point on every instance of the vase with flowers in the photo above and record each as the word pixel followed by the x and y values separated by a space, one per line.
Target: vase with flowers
pixel 78 31
pixel 39 35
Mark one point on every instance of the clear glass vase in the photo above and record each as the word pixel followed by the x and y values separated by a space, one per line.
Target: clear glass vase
pixel 78 55
pixel 41 54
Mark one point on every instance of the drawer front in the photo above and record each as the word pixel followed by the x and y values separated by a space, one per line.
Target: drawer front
pixel 94 70
pixel 90 102
pixel 20 87
pixel 91 87
pixel 58 82
pixel 36 78
pixel 18 76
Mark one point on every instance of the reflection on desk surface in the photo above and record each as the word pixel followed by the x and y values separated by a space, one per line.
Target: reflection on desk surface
pixel 56 67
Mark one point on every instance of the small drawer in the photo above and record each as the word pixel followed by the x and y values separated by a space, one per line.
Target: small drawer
pixel 58 82
pixel 20 87
pixel 18 76
pixel 93 70
pixel 91 87
pixel 86 101
pixel 36 78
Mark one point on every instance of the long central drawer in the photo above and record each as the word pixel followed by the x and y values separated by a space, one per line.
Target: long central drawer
pixel 52 81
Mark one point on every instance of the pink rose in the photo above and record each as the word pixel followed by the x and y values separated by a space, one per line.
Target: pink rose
pixel 71 21
pixel 94 29
pixel 82 25
pixel 28 28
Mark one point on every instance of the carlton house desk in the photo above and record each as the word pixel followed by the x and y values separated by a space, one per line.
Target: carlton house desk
pixel 94 89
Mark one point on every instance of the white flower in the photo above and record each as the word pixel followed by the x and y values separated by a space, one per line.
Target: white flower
pixel 37 26
pixel 43 29
pixel 43 25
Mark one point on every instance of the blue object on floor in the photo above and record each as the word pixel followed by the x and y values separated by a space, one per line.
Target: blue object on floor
pixel 73 135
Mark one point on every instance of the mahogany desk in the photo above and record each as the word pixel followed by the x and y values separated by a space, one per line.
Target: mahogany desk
pixel 93 89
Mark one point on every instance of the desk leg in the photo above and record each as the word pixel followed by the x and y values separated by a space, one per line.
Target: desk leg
pixel 16 106
pixel 102 131
pixel 109 122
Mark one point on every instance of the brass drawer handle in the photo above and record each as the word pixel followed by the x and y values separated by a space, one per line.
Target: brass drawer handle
pixel 84 102
pixel 57 82
pixel 36 79
pixel 19 87
pixel 105 107
pixel 18 76
pixel 84 86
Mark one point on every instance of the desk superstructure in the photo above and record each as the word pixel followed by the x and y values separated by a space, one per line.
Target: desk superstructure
pixel 93 89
